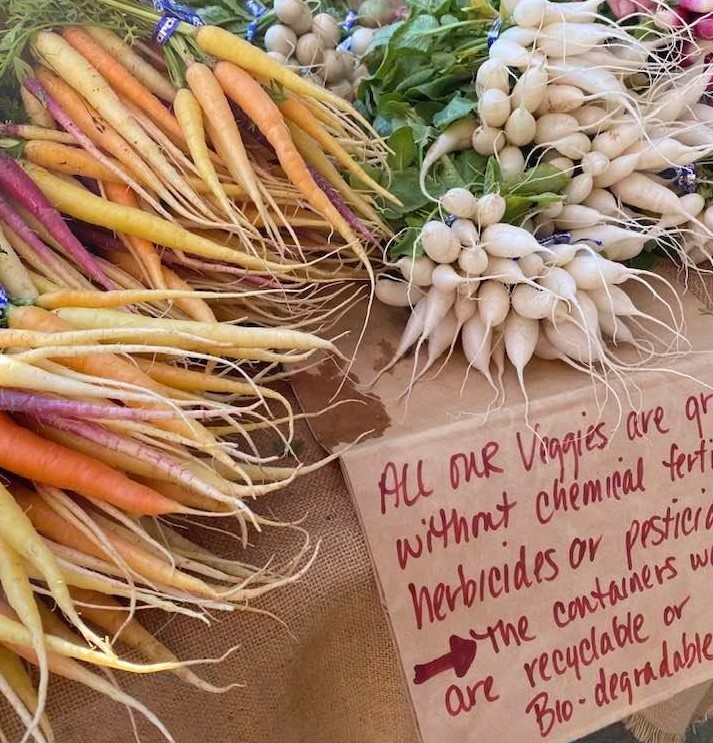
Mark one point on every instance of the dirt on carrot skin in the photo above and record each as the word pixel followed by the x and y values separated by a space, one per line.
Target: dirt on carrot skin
pixel 315 390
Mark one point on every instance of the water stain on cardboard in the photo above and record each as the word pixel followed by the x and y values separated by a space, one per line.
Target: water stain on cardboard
pixel 386 351
pixel 359 413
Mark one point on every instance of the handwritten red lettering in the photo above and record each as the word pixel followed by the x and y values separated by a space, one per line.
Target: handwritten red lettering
pixel 681 463
pixel 673 612
pixel 547 714
pixel 397 486
pixel 562 499
pixel 596 644
pixel 670 525
pixel 639 423
pixel 457 700
pixel 583 549
pixel 431 605
pixel 697 407
pixel 573 446
pixel 465 467
pixel 446 528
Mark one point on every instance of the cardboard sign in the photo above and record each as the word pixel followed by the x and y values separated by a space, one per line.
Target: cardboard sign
pixel 546 569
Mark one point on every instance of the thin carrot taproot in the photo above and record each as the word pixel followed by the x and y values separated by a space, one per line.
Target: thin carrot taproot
pixel 19 679
pixel 196 308
pixel 24 453
pixel 142 70
pixel 107 613
pixel 17 531
pixel 144 250
pixel 31 131
pixel 19 594
pixel 122 81
pixel 224 131
pixel 80 203
pixel 190 118
pixel 261 109
pixel 298 112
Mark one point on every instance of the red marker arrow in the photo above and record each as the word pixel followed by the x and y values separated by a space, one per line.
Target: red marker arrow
pixel 459 658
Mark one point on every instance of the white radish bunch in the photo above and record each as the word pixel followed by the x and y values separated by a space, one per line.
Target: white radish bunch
pixel 501 290
pixel 312 44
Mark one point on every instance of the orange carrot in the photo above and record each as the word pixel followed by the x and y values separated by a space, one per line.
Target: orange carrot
pixel 143 250
pixel 63 159
pixel 24 453
pixel 262 110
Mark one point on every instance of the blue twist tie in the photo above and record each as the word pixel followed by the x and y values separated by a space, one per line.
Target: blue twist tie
pixel 251 30
pixel 450 219
pixel 255 8
pixel 173 14
pixel 349 20
pixel 558 238
pixel 345 45
pixel 4 299
pixel 494 31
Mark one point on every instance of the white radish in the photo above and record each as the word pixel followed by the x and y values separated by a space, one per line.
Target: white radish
pixel 397 293
pixel 578 189
pixel 604 202
pixel 416 271
pixel 575 146
pixel 578 216
pixel 558 161
pixel 563 99
pixel 521 127
pixel 560 283
pixel 691 204
pixel 592 271
pixel 560 254
pixel 537 13
pixel 360 40
pixel 438 303
pixel 618 139
pixel 533 303
pixel 523 36
pixel 512 54
pixel 573 341
pixel 617 170
pixel 592 80
pixel 508 241
pixel 669 152
pixel 412 332
pixel 327 29
pixel 440 340
pixel 532 265
pixel 492 75
pixel 592 119
pixel 643 192
pixel 561 40
pixel 332 67
pixel 594 163
pixel 494 107
pixel 438 242
pixel 530 88
pixel 553 210
pixel 303 24
pixel 278 57
pixel 473 261
pixel 493 303
pixel 309 50
pixel 466 233
pixel 477 339
pixel 458 136
pixel 511 160
pixel 280 38
pixel 490 209
pixel 552 127
pixel 520 338
pixel 487 141
pixel 446 279
pixel 606 235
pixel 289 11
pixel 460 202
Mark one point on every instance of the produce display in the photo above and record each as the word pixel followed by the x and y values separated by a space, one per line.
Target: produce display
pixel 192 199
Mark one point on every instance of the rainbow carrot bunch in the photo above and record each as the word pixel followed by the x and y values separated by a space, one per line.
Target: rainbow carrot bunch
pixel 213 161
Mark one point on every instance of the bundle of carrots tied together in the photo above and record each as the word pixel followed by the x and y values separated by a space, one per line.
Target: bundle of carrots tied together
pixel 180 224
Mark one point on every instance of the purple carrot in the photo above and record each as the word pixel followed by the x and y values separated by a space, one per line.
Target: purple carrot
pixel 17 184
pixel 174 469
pixel 16 223
pixel 92 235
pixel 342 208
pixel 38 404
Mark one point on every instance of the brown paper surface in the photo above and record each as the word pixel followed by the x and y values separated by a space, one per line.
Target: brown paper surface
pixel 531 595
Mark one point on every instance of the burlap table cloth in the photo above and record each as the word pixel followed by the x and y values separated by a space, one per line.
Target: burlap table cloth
pixel 331 675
